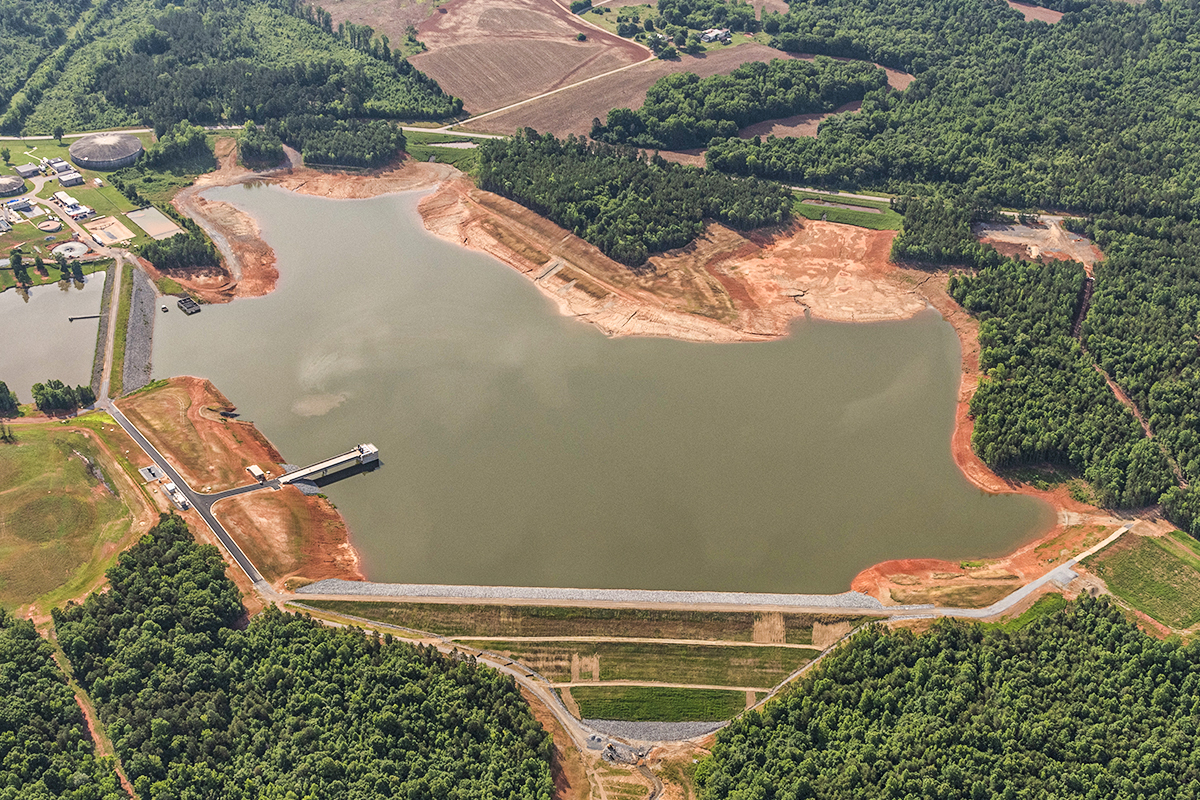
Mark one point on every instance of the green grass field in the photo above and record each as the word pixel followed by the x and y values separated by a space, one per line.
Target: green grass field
pixel 1044 606
pixel 638 703
pixel 115 383
pixel 8 280
pixel 759 667
pixel 418 146
pixel 60 527
pixel 888 220
pixel 498 620
pixel 1159 576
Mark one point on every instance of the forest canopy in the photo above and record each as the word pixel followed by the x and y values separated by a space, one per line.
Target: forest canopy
pixel 136 62
pixel 196 700
pixel 1081 704
pixel 45 748
pixel 683 110
pixel 628 205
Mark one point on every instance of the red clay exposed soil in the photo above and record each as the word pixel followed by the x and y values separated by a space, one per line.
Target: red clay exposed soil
pixel 248 266
pixel 390 18
pixel 799 125
pixel 290 536
pixel 494 52
pixel 1032 12
pixel 285 533
pixel 726 286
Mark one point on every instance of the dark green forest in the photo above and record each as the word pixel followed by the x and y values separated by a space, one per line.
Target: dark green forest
pixel 628 205
pixel 45 749
pixel 684 111
pixel 144 62
pixel 1097 116
pixel 1041 399
pixel 199 703
pixel 1081 704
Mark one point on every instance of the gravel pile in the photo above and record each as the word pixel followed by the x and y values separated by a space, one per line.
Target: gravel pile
pixel 853 600
pixel 140 333
pixel 102 334
pixel 652 731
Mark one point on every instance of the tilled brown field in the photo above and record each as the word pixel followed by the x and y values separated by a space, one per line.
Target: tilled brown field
pixel 572 110
pixel 495 52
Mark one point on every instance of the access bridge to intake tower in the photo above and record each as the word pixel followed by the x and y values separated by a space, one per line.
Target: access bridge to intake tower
pixel 361 455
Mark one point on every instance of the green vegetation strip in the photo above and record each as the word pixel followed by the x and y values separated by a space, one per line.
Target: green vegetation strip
pixel 886 220
pixel 1159 576
pixel 646 704
pixel 711 665
pixel 118 363
pixel 500 620
pixel 418 146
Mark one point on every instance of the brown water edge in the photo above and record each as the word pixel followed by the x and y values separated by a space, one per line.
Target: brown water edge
pixel 911 288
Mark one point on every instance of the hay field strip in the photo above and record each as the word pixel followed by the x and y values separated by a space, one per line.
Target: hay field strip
pixel 1157 575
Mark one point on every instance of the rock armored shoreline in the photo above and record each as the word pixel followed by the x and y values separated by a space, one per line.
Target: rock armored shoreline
pixel 139 334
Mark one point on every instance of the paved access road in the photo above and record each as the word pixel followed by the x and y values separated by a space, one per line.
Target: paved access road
pixel 203 503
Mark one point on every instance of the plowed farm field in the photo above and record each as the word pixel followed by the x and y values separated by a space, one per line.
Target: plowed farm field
pixel 572 110
pixel 492 53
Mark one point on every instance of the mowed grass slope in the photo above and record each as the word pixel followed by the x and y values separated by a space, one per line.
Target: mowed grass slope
pixel 757 667
pixel 1158 575
pixel 657 704
pixel 59 525
pixel 456 620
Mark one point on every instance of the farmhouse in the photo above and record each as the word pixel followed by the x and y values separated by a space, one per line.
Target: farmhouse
pixel 716 35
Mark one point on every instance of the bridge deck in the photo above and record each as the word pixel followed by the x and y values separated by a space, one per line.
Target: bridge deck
pixel 362 454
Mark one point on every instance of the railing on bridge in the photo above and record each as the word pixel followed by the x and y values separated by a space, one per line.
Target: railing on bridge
pixel 362 454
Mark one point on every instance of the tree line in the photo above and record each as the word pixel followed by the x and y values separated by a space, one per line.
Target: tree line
pixel 627 204
pixel 200 703
pixel 683 110
pixel 1080 704
pixel 1089 115
pixel 46 751
pixel 54 395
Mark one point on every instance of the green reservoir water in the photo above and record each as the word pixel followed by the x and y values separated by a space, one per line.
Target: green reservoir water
pixel 524 448
pixel 38 344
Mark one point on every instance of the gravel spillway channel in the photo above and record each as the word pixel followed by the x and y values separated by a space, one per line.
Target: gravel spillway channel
pixel 140 333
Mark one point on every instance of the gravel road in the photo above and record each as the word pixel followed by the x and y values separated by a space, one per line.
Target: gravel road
pixel 336 586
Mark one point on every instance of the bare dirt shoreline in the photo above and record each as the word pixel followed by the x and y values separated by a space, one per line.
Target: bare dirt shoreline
pixel 726 287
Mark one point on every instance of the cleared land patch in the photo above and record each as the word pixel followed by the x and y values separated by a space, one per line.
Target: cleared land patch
pixel 875 215
pixel 494 52
pixel 182 418
pixel 1158 575
pixel 1032 12
pixel 1044 240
